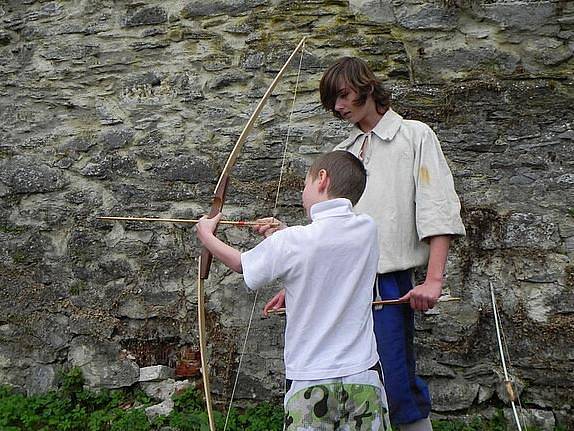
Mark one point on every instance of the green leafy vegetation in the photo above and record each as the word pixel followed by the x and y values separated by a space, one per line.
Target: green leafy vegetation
pixel 11 229
pixel 189 415
pixel 77 287
pixel 74 408
pixel 19 257
pixel 71 408
pixel 497 423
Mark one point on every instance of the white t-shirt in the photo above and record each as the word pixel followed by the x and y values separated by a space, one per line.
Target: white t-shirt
pixel 328 269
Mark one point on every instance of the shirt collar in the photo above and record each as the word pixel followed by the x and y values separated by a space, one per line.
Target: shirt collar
pixel 331 208
pixel 386 128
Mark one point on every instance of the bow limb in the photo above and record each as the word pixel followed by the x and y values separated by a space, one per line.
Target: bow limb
pixel 203 272
pixel 221 188
pixel 203 348
pixel 251 122
pixel 217 204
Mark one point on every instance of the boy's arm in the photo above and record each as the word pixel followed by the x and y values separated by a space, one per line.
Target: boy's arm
pixel 425 296
pixel 436 186
pixel 225 253
pixel 267 228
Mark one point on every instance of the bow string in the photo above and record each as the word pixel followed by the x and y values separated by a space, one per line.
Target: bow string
pixel 218 201
pixel 508 380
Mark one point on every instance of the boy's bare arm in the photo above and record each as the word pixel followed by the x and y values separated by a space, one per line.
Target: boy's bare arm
pixel 225 253
pixel 267 228
pixel 425 295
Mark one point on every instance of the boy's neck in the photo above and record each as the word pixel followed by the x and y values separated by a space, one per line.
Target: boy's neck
pixel 370 121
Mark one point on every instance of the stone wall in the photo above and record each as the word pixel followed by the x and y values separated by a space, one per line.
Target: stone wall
pixel 131 108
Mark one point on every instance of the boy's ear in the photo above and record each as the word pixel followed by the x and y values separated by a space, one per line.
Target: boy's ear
pixel 324 180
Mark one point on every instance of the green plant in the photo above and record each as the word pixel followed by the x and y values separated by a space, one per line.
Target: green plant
pixel 5 228
pixel 189 412
pixel 74 408
pixel 497 423
pixel 262 417
pixel 189 415
pixel 71 382
pixel 71 408
pixel 77 287
pixel 19 257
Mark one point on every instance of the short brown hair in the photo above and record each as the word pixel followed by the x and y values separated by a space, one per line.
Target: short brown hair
pixel 356 73
pixel 346 172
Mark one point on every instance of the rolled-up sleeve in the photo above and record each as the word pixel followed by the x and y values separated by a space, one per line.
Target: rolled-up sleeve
pixel 437 204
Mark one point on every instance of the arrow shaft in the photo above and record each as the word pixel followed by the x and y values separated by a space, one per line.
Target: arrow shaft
pixel 188 221
pixel 379 303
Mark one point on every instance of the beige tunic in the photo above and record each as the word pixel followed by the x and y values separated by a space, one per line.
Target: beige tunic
pixel 410 190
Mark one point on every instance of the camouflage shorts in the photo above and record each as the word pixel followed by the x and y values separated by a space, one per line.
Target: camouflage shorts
pixel 336 404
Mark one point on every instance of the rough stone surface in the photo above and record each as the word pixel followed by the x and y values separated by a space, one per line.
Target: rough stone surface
pixel 161 390
pixel 101 364
pixel 543 420
pixel 162 409
pixel 130 108
pixel 155 373
pixel 452 394
pixel 41 379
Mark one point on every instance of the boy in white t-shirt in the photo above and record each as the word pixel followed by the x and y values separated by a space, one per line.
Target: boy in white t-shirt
pixel 328 268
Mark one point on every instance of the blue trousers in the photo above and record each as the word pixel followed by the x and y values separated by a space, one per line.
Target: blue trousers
pixel 407 394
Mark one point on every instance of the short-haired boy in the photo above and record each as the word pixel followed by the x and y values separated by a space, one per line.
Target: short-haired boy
pixel 328 268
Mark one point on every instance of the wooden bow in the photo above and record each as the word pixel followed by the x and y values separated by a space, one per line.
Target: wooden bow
pixel 205 259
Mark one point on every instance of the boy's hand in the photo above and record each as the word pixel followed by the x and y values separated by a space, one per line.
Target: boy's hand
pixel 278 301
pixel 206 226
pixel 424 296
pixel 268 226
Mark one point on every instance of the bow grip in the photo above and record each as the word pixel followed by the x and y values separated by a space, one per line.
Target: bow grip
pixel 216 207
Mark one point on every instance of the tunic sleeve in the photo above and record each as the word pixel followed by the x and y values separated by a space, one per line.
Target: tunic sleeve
pixel 437 204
